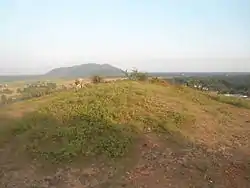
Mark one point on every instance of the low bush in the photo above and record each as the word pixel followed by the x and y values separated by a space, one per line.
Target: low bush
pixel 96 79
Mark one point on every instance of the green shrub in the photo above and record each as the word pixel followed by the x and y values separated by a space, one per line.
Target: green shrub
pixel 4 99
pixel 141 76
pixel 96 79
pixel 155 80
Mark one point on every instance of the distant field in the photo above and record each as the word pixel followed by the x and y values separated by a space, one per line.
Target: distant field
pixel 15 85
pixel 29 78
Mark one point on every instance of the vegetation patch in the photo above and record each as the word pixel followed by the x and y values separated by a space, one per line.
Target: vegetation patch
pixel 102 120
pixel 45 137
pixel 232 101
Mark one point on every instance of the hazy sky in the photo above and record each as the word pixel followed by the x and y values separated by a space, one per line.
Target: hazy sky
pixel 36 35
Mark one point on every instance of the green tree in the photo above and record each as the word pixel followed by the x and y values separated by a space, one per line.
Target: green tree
pixel 136 75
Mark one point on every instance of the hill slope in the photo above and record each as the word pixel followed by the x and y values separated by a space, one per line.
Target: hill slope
pixel 86 70
pixel 127 134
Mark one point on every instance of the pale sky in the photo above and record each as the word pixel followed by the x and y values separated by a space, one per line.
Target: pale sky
pixel 37 35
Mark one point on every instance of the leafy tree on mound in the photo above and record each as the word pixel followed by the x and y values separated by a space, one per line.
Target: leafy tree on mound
pixel 136 75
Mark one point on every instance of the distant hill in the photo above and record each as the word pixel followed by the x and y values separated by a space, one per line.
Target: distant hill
pixel 85 70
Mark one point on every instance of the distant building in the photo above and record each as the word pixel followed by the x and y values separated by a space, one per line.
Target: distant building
pixel 236 95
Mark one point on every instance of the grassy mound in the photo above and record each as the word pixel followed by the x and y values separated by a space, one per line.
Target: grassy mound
pixel 154 129
pixel 106 119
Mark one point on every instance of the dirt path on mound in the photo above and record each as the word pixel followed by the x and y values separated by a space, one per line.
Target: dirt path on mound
pixel 156 164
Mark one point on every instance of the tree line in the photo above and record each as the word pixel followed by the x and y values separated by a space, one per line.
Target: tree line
pixel 237 84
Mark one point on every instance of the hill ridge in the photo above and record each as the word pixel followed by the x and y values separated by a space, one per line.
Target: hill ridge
pixel 85 70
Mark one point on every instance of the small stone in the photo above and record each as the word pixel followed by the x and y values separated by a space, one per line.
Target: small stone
pixel 90 171
pixel 52 180
pixel 145 145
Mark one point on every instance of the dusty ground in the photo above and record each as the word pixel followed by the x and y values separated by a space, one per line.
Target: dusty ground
pixel 155 165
